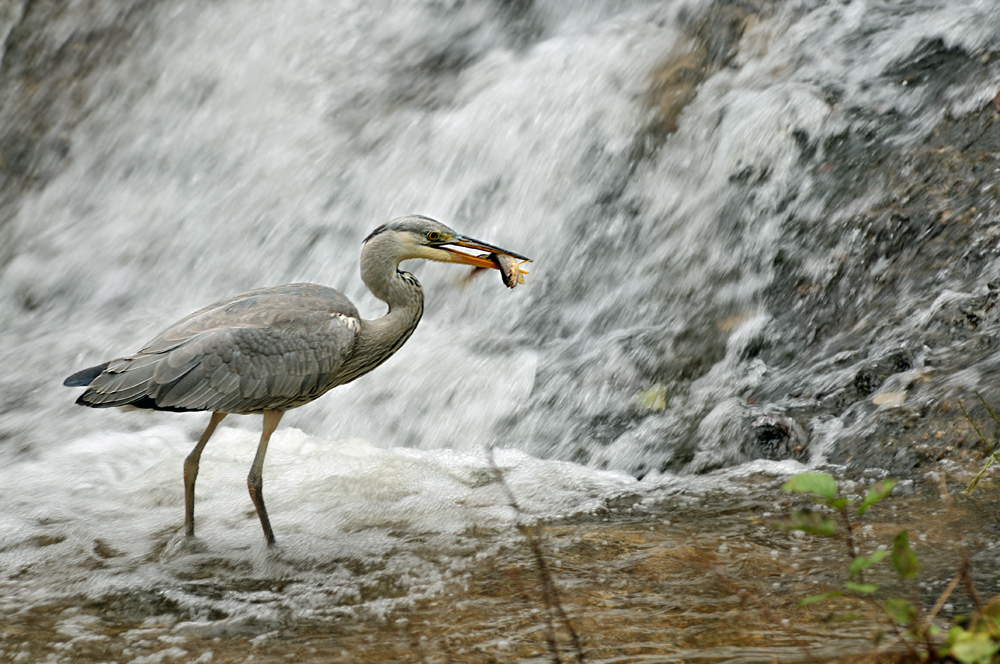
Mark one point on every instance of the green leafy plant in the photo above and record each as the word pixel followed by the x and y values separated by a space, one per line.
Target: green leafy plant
pixel 972 641
pixel 824 491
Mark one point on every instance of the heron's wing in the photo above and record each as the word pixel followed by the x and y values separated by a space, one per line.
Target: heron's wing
pixel 256 308
pixel 272 348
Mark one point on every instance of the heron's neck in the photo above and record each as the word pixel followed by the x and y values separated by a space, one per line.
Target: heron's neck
pixel 405 297
pixel 381 337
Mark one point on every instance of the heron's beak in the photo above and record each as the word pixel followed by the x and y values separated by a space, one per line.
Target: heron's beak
pixel 480 260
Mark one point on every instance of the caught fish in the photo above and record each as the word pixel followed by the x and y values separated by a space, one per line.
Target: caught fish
pixel 510 269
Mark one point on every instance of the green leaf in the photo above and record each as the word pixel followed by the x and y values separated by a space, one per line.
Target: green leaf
pixel 875 494
pixel 810 522
pixel 812 599
pixel 820 484
pixel 837 503
pixel 863 588
pixel 973 647
pixel 904 558
pixel 901 611
pixel 862 563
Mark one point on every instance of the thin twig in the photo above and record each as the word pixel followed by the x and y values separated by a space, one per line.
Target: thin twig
pixel 849 537
pixel 550 593
pixel 966 572
pixel 941 600
pixel 972 422
pixel 849 532
pixel 989 462
pixel 992 414
pixel 994 456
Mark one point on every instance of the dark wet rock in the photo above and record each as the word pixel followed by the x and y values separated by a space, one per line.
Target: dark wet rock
pixel 776 437
pixel 926 243
pixel 909 296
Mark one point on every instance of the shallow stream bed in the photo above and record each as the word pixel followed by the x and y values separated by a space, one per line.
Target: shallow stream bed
pixel 692 575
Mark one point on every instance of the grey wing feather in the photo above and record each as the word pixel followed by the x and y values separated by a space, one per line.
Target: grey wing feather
pixel 274 348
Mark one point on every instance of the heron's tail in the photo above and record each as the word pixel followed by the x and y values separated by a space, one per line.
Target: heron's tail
pixel 85 377
pixel 128 381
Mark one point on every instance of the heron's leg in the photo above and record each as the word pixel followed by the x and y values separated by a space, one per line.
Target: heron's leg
pixel 254 481
pixel 191 472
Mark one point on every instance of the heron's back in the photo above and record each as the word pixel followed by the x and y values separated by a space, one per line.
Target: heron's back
pixel 272 348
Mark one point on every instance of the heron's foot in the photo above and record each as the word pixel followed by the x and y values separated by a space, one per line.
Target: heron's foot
pixel 257 495
pixel 191 544
pixel 266 525
pixel 182 545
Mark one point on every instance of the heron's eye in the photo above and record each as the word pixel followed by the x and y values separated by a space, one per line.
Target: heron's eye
pixel 433 236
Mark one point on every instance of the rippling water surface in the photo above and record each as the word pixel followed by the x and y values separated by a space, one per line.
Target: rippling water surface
pixel 685 175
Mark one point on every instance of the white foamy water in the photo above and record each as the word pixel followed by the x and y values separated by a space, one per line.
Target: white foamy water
pixel 103 515
pixel 254 143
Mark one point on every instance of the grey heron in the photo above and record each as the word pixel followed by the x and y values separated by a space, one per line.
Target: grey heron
pixel 272 349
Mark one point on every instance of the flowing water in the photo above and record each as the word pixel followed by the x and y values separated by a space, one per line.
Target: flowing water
pixel 725 269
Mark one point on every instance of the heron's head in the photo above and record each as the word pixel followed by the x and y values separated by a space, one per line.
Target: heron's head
pixel 415 236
